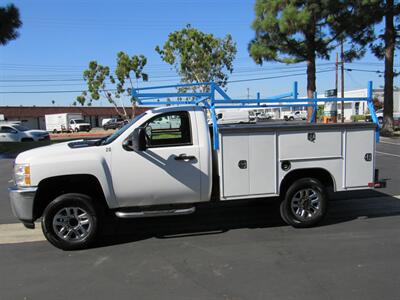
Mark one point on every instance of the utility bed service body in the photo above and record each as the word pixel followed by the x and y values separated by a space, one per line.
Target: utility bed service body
pixel 141 171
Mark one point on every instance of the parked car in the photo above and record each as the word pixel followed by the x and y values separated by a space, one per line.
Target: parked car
pixel 295 115
pixel 10 132
pixel 137 172
pixel 114 123
pixel 379 114
pixel 261 116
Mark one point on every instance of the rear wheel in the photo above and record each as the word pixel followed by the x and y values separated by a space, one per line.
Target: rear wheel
pixel 305 203
pixel 71 221
pixel 27 140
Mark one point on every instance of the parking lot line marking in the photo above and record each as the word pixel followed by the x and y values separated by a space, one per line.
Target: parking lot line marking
pixel 385 153
pixel 17 233
pixel 390 143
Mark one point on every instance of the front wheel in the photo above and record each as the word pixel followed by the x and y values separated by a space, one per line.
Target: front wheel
pixel 305 203
pixel 71 221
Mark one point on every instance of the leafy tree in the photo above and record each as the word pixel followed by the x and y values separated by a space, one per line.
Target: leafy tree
pixel 101 82
pixel 9 23
pixel 293 31
pixel 383 45
pixel 384 48
pixel 199 56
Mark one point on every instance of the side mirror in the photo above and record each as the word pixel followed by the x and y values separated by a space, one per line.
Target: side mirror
pixel 139 139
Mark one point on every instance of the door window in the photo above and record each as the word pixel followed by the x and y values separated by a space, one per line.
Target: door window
pixel 171 129
pixel 6 129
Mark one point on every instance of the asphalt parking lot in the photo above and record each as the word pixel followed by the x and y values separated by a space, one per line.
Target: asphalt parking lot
pixel 230 252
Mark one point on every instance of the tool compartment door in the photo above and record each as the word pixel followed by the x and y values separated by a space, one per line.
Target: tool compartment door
pixel 248 164
pixel 235 168
pixel 360 152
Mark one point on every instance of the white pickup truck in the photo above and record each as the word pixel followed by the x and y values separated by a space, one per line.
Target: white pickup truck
pixel 140 172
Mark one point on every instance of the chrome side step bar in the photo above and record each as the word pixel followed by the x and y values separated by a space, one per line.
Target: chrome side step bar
pixel 155 213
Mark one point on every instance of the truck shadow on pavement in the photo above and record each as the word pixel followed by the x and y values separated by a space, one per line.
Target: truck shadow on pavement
pixel 220 217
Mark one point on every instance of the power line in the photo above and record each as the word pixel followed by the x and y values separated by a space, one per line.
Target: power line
pixel 232 81
pixel 363 70
pixel 176 77
pixel 234 73
pixel 274 77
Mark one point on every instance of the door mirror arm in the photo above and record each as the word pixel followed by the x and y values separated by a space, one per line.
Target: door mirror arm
pixel 127 145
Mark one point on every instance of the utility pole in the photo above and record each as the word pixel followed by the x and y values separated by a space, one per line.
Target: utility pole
pixel 342 79
pixel 336 81
pixel 337 73
pixel 248 93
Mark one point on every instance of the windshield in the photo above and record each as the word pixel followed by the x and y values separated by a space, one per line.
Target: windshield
pixel 79 121
pixel 20 128
pixel 120 131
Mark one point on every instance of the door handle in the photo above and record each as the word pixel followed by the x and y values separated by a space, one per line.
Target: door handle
pixel 184 157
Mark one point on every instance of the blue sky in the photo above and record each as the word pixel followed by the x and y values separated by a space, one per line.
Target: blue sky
pixel 59 38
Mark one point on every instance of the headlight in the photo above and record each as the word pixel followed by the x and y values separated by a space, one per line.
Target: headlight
pixel 22 174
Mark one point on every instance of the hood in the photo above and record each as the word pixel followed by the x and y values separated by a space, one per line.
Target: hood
pixel 43 152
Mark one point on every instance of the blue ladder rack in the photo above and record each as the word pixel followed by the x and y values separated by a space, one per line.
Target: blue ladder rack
pixel 146 96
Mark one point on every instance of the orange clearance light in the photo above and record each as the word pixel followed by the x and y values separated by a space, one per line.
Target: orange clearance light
pixel 27 180
pixel 27 170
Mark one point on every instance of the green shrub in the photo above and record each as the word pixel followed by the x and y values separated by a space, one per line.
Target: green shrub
pixel 356 118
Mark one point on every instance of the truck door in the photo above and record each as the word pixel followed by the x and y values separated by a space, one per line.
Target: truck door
pixel 167 171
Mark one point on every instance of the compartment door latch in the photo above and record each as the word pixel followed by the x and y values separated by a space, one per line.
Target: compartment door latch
pixel 311 136
pixel 368 156
pixel 242 164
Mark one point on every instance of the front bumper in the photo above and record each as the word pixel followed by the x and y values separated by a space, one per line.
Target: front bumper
pixel 22 200
pixel 44 138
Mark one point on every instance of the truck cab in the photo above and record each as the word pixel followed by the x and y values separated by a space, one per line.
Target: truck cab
pixel 79 125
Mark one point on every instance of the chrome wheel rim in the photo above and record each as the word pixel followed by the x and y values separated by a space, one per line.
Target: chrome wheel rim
pixel 306 204
pixel 72 224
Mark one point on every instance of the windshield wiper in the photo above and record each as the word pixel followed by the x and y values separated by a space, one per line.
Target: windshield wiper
pixel 100 141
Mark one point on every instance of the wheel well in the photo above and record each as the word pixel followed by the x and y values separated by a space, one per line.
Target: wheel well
pixel 318 173
pixel 51 188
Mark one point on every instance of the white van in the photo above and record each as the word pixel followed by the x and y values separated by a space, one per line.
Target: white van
pixel 234 116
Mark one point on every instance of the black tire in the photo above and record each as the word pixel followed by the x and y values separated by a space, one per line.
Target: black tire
pixel 291 119
pixel 314 208
pixel 27 140
pixel 80 202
